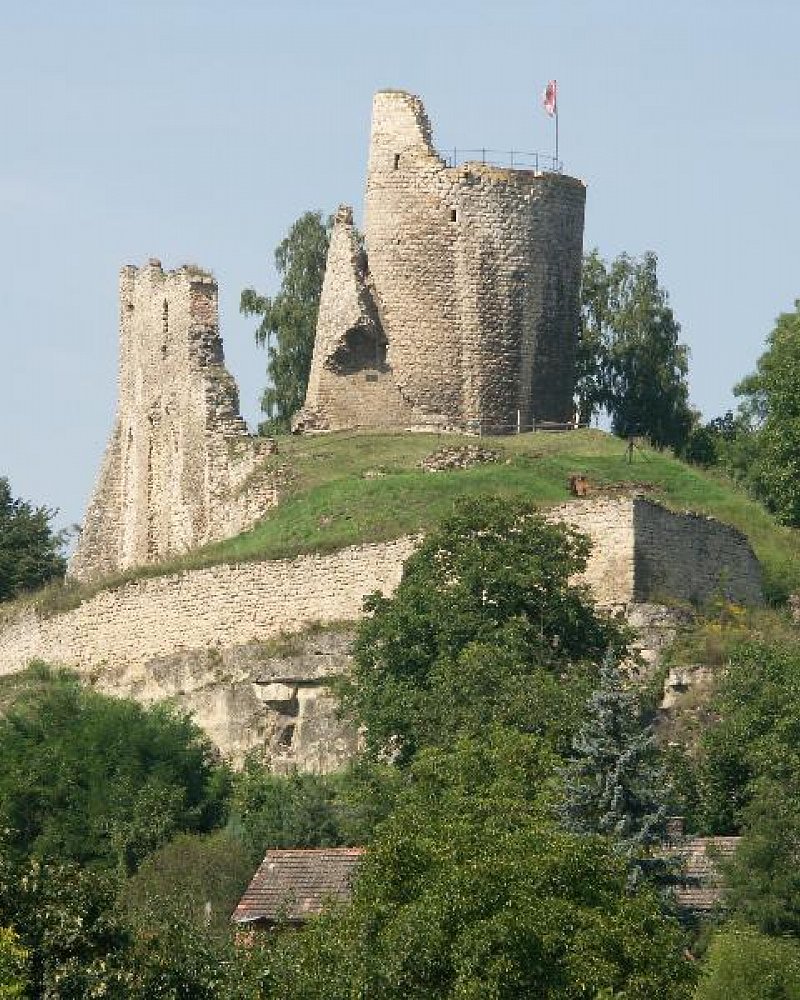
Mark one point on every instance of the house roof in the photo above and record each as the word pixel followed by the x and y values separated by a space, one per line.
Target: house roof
pixel 295 884
pixel 698 885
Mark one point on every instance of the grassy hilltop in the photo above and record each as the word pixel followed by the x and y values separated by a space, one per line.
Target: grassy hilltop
pixel 350 487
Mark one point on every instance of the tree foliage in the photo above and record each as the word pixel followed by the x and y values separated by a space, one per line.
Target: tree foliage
pixel 751 783
pixel 743 964
pixel 762 879
pixel 614 785
pixel 275 811
pixel 194 879
pixel 290 317
pixel 30 551
pixel 64 917
pixel 78 943
pixel 771 402
pixel 13 966
pixel 469 890
pixel 630 361
pixel 310 810
pixel 99 780
pixel 484 627
pixel 755 744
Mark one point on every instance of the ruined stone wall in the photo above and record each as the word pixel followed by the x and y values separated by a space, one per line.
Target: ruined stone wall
pixel 609 525
pixel 473 274
pixel 692 558
pixel 202 639
pixel 197 637
pixel 643 552
pixel 180 469
pixel 350 383
pixel 224 605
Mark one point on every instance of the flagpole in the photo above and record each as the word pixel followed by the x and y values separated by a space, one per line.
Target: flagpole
pixel 555 88
pixel 556 116
pixel 550 103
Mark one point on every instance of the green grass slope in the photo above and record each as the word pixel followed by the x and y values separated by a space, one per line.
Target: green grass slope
pixel 353 487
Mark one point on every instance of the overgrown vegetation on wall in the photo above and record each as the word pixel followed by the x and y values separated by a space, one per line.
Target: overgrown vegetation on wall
pixel 351 488
pixel 476 682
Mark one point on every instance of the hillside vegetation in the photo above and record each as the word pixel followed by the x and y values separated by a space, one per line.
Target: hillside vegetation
pixel 354 487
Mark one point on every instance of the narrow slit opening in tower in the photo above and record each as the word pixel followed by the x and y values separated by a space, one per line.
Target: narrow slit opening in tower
pixel 286 737
pixel 454 215
pixel 164 327
pixel 396 161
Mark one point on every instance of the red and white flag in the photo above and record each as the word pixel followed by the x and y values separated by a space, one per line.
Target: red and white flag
pixel 549 99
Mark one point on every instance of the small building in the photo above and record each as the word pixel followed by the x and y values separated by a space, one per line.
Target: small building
pixel 292 885
pixel 697 886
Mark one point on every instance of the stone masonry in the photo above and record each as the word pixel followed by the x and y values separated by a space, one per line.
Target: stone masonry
pixel 225 605
pixel 180 468
pixel 465 309
pixel 195 637
pixel 643 552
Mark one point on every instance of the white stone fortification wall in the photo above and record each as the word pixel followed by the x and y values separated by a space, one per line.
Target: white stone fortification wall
pixel 609 525
pixel 217 607
pixel 641 552
pixel 194 638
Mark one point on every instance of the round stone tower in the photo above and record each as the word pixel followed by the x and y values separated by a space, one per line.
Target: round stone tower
pixel 469 291
pixel 477 271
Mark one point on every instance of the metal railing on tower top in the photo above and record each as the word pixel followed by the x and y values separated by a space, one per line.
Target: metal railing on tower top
pixel 512 158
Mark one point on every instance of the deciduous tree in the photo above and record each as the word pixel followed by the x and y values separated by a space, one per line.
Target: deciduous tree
pixel 630 360
pixel 99 780
pixel 13 966
pixel 742 964
pixel 290 317
pixel 771 400
pixel 486 600
pixel 30 551
pixel 470 891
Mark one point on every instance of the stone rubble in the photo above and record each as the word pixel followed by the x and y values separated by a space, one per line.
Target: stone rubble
pixel 466 457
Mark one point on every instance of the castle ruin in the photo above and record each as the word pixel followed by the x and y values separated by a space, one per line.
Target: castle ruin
pixel 179 457
pixel 464 310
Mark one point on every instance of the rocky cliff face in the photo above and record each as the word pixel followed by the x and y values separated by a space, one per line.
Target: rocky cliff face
pixel 269 698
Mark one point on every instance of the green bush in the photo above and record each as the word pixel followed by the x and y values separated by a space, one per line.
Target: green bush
pixel 100 780
pixel 742 964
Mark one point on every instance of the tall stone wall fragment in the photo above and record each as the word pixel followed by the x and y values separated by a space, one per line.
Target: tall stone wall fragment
pixel 180 469
pixel 474 272
pixel 350 383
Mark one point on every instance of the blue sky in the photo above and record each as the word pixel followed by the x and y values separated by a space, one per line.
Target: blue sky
pixel 198 131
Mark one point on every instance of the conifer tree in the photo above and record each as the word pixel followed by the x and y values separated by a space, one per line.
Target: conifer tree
pixel 613 783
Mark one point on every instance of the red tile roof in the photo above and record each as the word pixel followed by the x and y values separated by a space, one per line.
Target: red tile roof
pixel 698 885
pixel 295 884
